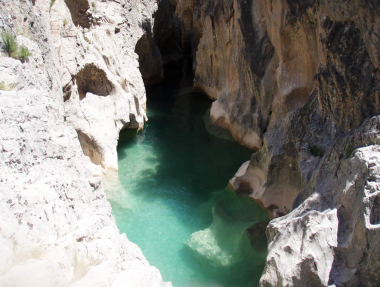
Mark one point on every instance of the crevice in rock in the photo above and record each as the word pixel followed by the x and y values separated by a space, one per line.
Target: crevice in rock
pixel 167 32
pixel 67 92
pixel 78 10
pixel 94 80
pixel 168 41
pixel 375 211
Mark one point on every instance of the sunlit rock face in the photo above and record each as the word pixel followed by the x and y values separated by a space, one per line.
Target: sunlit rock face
pixel 297 74
pixel 103 89
pixel 56 226
pixel 332 237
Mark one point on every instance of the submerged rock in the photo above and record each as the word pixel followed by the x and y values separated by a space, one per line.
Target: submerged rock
pixel 226 243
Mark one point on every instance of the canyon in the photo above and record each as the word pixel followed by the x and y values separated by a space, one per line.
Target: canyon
pixel 296 81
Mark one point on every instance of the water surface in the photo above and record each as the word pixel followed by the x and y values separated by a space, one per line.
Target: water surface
pixel 171 199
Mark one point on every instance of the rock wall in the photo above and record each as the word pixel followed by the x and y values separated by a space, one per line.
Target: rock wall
pixel 333 236
pixel 297 74
pixel 289 78
pixel 56 227
pixel 162 44
pixel 292 79
pixel 103 90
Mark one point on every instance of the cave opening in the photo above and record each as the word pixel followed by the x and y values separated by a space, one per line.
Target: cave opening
pixel 172 200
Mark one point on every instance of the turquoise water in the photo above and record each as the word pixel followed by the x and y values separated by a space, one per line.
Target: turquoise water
pixel 170 198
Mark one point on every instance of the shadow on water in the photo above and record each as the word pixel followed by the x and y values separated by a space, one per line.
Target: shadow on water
pixel 178 177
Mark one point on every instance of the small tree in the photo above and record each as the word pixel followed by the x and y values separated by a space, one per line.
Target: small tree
pixel 9 43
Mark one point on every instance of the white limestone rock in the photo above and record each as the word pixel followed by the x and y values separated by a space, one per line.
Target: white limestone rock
pixel 56 226
pixel 333 236
pixel 103 88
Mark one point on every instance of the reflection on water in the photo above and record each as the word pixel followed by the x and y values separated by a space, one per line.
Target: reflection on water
pixel 169 196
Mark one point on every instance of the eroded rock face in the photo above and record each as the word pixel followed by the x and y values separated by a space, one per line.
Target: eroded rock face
pixel 103 90
pixel 333 236
pixel 56 227
pixel 289 78
pixel 297 74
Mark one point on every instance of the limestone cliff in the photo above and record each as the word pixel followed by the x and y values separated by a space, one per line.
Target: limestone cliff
pixel 103 89
pixel 289 78
pixel 56 227
pixel 296 80
pixel 333 236
pixel 298 74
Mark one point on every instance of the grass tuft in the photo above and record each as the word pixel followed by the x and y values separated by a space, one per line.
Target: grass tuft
pixel 23 53
pixel 9 43
pixel 11 47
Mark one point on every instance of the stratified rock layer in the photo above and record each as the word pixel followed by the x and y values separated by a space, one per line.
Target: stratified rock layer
pixel 56 227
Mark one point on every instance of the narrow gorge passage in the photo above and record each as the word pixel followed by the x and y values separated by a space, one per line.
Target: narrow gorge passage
pixel 171 198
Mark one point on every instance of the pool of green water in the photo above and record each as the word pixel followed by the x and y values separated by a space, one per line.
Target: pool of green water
pixel 171 199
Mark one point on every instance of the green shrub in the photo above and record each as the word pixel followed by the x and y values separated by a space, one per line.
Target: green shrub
pixel 23 53
pixel 9 43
